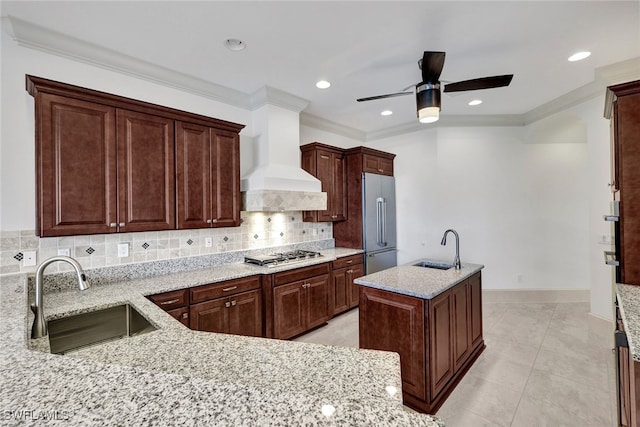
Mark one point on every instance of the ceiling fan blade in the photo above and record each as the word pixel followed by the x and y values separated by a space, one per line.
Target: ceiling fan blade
pixel 481 83
pixel 389 95
pixel 431 65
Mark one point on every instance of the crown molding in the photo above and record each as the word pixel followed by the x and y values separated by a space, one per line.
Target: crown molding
pixel 36 37
pixel 45 40
pixel 319 123
pixel 272 96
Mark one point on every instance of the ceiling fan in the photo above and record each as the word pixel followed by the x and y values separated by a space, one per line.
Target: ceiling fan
pixel 428 90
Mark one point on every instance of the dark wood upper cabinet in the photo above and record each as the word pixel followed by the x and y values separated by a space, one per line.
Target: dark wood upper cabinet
pixel 208 177
pixel 328 165
pixel 348 233
pixel 76 167
pixel 146 182
pixel 106 163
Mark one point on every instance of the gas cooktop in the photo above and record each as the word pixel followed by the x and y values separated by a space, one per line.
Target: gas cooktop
pixel 280 258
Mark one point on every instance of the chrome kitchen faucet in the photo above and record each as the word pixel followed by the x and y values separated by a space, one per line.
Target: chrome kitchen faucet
pixel 456 261
pixel 39 328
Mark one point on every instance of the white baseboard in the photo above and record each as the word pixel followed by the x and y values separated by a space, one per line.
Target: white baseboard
pixel 536 295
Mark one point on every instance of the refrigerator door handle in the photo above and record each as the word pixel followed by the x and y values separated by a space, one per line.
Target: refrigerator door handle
pixel 381 221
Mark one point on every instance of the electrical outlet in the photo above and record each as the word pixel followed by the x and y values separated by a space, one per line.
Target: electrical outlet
pixel 208 242
pixel 64 252
pixel 29 259
pixel 123 250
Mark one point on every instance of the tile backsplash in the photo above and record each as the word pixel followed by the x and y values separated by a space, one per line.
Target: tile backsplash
pixel 257 230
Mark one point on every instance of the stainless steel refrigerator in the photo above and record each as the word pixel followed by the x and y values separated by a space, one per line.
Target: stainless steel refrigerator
pixel 379 222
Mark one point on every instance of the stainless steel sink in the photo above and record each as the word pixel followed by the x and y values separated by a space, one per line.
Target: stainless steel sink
pixel 82 330
pixel 434 264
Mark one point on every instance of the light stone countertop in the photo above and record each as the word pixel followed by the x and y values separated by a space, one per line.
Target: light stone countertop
pixel 629 303
pixel 418 282
pixel 178 376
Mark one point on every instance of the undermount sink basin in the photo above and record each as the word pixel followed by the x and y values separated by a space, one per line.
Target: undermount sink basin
pixel 82 330
pixel 434 264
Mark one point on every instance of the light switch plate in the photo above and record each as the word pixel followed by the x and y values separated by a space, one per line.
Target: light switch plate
pixel 208 242
pixel 29 259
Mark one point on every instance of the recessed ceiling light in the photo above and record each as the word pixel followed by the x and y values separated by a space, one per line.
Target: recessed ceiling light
pixel 579 56
pixel 475 102
pixel 234 44
pixel 386 113
pixel 323 84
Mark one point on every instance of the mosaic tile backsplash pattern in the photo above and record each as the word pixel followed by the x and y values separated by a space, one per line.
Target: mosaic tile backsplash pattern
pixel 257 230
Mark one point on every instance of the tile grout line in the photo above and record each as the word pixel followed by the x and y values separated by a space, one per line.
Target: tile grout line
pixel 532 366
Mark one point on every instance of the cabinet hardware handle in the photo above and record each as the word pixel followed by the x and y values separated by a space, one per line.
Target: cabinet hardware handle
pixel 209 221
pixel 350 261
pixel 323 156
pixel 380 170
pixel 185 315
pixel 113 225
pixel 171 301
pixel 229 289
pixel 233 302
pixel 214 220
pixel 227 304
pixel 350 271
pixel 122 224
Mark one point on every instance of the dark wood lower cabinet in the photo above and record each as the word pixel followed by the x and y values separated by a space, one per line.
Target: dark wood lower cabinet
pixel 239 314
pixel 382 316
pixel 438 339
pixel 344 293
pixel 181 315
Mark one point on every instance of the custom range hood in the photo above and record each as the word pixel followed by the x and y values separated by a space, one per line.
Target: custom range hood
pixel 277 183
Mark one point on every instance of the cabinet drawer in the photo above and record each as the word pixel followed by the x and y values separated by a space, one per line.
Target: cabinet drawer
pixel 170 300
pixel 348 261
pixel 222 289
pixel 300 274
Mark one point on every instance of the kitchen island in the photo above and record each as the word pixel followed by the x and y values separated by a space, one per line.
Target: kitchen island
pixel 177 376
pixel 432 318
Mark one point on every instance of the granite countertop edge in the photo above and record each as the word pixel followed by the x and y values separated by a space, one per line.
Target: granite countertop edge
pixel 628 297
pixel 218 390
pixel 420 282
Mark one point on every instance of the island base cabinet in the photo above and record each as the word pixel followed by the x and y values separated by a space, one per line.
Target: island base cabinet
pixel 393 322
pixel 437 339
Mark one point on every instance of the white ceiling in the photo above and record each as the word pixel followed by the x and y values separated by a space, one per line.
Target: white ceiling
pixel 363 48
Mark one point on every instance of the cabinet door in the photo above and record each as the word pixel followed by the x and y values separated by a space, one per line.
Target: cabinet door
pixel 245 314
pixel 193 176
pixel 339 188
pixel 317 299
pixel 354 290
pixel 76 172
pixel 225 167
pixel 394 322
pixel 475 307
pixel 289 310
pixel 210 316
pixel 441 346
pixel 146 183
pixel 375 164
pixel 180 314
pixel 326 175
pixel 461 323
pixel 341 291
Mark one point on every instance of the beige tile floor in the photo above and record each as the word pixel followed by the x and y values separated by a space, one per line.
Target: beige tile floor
pixel 545 364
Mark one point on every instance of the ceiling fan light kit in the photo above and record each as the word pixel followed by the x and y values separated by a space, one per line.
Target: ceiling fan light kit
pixel 429 89
pixel 428 102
